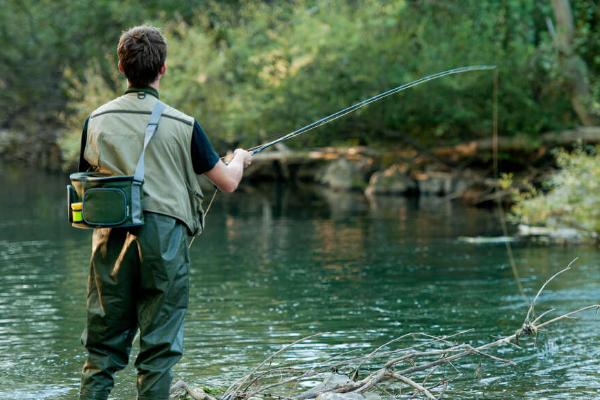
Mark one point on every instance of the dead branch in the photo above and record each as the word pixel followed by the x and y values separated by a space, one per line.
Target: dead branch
pixel 530 311
pixel 403 365
pixel 412 383
pixel 237 385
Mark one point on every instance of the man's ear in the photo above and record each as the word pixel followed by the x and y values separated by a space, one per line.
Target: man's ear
pixel 163 69
pixel 120 66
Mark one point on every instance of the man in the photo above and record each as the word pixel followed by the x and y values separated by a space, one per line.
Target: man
pixel 138 277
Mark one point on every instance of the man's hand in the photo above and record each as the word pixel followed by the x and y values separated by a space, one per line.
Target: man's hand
pixel 227 177
pixel 245 155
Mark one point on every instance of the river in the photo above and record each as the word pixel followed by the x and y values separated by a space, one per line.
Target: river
pixel 276 264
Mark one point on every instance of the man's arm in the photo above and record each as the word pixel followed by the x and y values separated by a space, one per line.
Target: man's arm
pixel 227 177
pixel 206 161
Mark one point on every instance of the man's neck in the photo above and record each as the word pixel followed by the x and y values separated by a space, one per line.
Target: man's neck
pixel 154 85
pixel 150 89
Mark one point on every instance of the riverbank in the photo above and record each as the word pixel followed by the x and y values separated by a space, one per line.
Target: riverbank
pixel 390 172
pixel 463 172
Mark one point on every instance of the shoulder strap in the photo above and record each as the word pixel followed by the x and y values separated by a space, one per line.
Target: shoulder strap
pixel 157 111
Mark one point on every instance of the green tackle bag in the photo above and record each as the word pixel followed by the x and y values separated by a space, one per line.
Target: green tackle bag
pixel 96 200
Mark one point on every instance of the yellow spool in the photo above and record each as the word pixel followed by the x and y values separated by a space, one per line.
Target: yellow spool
pixel 76 212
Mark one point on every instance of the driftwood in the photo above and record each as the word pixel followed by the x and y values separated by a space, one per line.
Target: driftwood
pixel 394 368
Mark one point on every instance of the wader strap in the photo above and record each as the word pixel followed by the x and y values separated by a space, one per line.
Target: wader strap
pixel 159 107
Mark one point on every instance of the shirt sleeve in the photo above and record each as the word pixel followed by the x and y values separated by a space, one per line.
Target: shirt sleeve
pixel 83 164
pixel 204 156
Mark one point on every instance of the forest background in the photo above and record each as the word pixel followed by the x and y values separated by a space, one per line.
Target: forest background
pixel 250 70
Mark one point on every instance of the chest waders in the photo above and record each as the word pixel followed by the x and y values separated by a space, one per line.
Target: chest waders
pixel 138 280
pixel 99 200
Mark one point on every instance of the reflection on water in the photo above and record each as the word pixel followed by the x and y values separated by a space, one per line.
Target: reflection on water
pixel 276 264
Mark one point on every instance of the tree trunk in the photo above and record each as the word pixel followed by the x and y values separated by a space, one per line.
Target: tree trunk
pixel 574 69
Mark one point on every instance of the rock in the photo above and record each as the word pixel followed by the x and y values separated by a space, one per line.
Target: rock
pixel 558 234
pixel 393 180
pixel 435 183
pixel 341 396
pixel 41 151
pixel 486 239
pixel 284 165
pixel 347 174
pixel 475 194
pixel 462 183
pixel 331 381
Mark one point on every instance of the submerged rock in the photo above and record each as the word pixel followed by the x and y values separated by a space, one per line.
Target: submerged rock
pixel 391 181
pixel 341 396
pixel 486 239
pixel 347 174
pixel 349 396
pixel 435 183
pixel 330 382
pixel 398 180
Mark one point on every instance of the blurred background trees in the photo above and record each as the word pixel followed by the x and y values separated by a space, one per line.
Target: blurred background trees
pixel 250 70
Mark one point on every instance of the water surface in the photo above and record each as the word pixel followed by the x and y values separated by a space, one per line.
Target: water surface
pixel 276 264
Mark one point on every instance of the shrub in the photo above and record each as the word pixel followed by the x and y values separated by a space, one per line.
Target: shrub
pixel 570 198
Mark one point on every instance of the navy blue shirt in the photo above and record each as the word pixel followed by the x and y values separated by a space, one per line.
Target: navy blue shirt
pixel 204 157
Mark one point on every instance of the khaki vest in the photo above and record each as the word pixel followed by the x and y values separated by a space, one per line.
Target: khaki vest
pixel 115 138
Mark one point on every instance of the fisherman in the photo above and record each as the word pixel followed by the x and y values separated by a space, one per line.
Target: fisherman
pixel 139 277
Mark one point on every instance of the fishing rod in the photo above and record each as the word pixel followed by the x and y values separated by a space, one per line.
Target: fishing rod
pixel 354 107
pixel 366 102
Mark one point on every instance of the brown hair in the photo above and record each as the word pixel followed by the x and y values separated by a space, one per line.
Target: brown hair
pixel 142 52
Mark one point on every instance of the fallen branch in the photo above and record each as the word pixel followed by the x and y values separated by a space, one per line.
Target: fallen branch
pixel 413 384
pixel 399 367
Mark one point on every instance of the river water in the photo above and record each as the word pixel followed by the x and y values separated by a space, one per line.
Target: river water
pixel 276 264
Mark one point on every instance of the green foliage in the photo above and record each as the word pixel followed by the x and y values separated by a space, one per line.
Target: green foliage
pixel 285 66
pixel 90 92
pixel 252 70
pixel 570 197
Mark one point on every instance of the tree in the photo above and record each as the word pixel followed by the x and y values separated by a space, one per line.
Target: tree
pixel 574 68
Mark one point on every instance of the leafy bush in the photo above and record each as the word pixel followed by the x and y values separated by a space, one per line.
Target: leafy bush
pixel 570 197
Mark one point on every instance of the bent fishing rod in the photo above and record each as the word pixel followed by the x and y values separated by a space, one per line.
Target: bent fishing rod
pixel 345 111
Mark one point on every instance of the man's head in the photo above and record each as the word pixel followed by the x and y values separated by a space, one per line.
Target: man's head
pixel 142 53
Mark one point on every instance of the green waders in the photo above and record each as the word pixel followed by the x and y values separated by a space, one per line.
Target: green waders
pixel 139 278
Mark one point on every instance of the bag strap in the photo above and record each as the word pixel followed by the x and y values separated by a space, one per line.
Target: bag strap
pixel 157 111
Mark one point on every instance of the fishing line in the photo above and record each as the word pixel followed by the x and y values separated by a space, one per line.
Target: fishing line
pixel 345 111
pixel 500 210
pixel 366 102
pixel 212 198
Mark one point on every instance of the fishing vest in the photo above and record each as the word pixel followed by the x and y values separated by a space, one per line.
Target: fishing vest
pixel 115 138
